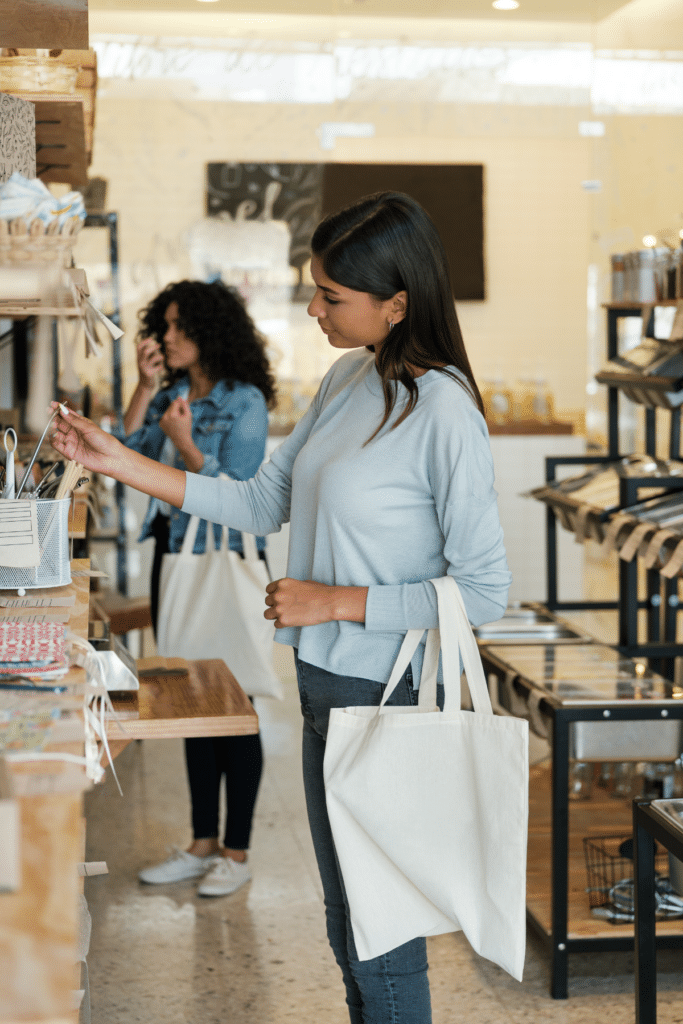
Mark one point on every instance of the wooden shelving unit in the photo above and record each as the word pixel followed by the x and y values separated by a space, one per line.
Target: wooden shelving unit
pixel 52 24
pixel 61 152
pixel 65 122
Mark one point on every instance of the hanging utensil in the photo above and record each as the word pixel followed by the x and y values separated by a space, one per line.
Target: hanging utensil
pixel 9 462
pixel 59 409
pixel 44 479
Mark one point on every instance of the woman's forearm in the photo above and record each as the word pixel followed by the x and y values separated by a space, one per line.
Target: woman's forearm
pixel 150 477
pixel 80 440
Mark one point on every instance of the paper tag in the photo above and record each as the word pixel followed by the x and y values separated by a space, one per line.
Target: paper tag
pixel 655 546
pixel 19 547
pixel 628 549
pixel 33 615
pixel 676 333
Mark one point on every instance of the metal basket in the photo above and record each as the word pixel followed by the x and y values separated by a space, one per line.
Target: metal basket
pixel 607 866
pixel 54 569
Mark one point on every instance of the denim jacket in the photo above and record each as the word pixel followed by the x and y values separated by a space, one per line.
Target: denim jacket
pixel 229 426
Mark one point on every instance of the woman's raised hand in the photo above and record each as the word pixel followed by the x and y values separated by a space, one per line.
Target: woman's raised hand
pixel 150 362
pixel 78 438
pixel 176 423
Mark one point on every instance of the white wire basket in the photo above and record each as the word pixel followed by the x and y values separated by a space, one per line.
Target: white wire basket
pixel 54 568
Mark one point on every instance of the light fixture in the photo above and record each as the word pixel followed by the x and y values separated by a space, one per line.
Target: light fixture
pixel 505 5
pixel 650 241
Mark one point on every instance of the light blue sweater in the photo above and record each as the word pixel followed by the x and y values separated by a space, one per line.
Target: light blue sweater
pixel 417 502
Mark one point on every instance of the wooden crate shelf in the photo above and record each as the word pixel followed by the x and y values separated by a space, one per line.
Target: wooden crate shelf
pixel 52 24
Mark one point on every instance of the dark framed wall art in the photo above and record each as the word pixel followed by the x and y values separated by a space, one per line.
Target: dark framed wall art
pixel 300 194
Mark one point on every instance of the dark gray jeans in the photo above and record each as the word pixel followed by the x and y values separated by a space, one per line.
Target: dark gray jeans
pixel 393 988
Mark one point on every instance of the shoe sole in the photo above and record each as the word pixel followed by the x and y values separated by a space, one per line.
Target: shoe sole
pixel 214 895
pixel 169 881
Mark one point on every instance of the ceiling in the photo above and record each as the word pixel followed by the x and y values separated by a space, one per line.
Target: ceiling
pixel 585 11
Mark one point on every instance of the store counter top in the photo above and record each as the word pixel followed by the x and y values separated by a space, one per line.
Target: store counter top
pixel 43 804
pixel 182 698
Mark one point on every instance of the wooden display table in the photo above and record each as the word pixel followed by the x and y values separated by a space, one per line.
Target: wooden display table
pixel 184 698
pixel 39 920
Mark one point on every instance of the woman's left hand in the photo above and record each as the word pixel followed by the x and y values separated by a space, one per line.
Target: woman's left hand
pixel 306 603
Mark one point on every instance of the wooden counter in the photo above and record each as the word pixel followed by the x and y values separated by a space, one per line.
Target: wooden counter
pixel 39 921
pixel 206 700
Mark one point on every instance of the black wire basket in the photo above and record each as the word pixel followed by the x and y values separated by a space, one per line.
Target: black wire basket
pixel 610 872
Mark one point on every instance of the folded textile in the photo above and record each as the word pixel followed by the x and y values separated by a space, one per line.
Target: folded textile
pixel 30 199
pixel 33 648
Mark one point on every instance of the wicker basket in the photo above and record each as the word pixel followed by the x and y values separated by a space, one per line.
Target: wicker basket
pixel 21 244
pixel 36 74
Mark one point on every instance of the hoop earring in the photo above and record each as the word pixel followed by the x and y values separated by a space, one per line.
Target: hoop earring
pixel 391 325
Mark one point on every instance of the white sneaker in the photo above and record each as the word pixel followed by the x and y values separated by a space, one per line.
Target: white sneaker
pixel 179 866
pixel 223 877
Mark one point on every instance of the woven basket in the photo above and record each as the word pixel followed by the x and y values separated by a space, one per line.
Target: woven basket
pixel 20 245
pixel 36 74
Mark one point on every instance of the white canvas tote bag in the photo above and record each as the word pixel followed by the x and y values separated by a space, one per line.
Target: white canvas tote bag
pixel 211 606
pixel 429 808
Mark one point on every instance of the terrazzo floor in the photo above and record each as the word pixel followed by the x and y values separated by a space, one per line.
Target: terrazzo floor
pixel 161 954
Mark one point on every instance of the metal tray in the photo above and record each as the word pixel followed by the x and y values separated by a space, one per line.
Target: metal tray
pixel 582 675
pixel 528 623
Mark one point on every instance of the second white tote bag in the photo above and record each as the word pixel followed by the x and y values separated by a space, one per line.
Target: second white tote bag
pixel 429 808
pixel 211 605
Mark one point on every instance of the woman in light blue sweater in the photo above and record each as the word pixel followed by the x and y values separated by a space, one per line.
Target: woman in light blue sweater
pixel 387 481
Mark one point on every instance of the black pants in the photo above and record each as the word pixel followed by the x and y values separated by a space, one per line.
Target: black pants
pixel 238 759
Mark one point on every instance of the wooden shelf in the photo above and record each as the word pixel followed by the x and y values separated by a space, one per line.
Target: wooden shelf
pixel 49 794
pixel 12 310
pixel 601 815
pixel 528 428
pixel 65 122
pixel 208 701
pixel 78 519
pixel 641 305
pixel 52 24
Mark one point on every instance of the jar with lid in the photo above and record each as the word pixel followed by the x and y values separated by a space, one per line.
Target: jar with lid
pixel 645 280
pixel 498 402
pixel 618 277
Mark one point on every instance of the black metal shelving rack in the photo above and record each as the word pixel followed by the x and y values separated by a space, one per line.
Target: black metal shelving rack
pixel 118 536
pixel 19 338
pixel 661 601
pixel 660 647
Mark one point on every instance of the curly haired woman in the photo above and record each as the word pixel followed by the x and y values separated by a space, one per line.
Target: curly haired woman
pixel 209 417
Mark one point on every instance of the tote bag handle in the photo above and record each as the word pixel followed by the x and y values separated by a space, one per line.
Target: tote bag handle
pixel 456 639
pixel 249 548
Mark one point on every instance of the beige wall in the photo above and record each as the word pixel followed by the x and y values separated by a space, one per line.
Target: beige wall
pixel 154 152
pixel 542 229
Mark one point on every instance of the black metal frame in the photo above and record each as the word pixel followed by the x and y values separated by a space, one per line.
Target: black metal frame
pixel 648 826
pixel 110 221
pixel 562 717
pixel 660 648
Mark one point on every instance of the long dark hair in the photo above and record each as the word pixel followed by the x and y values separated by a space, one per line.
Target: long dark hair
pixel 215 319
pixel 384 244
